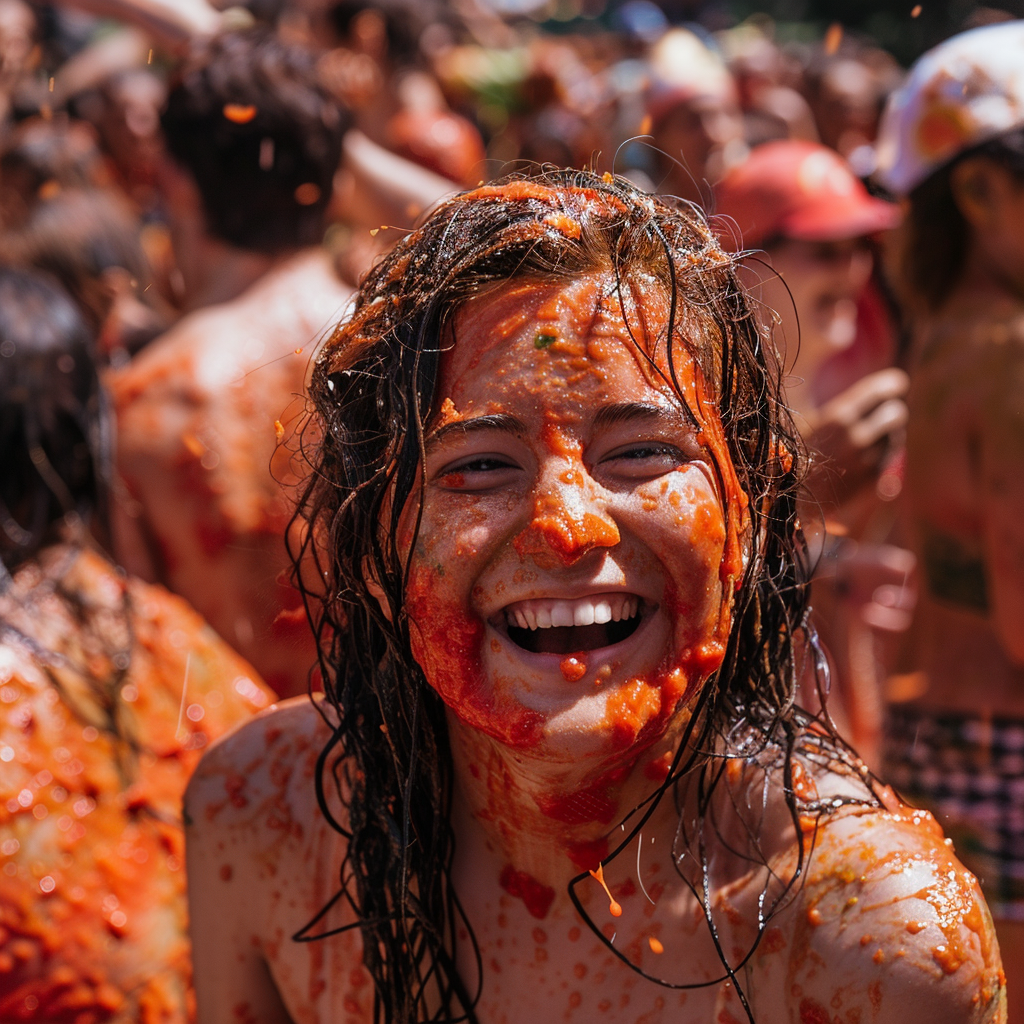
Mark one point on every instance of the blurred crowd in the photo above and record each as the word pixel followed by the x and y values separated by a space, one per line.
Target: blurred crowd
pixel 188 197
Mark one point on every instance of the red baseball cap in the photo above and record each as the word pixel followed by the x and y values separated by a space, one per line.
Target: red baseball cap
pixel 799 190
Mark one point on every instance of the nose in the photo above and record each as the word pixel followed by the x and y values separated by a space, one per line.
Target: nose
pixel 569 521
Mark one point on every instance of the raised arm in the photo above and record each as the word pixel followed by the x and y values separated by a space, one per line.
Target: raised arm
pixel 172 22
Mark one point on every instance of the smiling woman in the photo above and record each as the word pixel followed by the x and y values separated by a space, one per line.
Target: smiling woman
pixel 550 551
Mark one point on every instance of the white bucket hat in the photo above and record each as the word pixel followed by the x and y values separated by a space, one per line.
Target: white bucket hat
pixel 964 92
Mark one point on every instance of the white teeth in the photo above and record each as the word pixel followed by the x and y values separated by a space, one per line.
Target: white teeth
pixel 583 614
pixel 599 609
pixel 561 614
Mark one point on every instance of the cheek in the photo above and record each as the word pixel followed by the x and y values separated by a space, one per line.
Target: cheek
pixel 447 639
pixel 684 517
pixel 694 549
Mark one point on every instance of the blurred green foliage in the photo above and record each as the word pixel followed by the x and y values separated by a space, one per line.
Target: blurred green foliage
pixel 890 23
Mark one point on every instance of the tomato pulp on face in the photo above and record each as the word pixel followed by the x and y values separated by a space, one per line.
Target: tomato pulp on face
pixel 566 588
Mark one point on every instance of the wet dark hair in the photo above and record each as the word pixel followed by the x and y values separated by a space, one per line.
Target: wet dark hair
pixel 935 236
pixel 54 426
pixel 262 139
pixel 374 394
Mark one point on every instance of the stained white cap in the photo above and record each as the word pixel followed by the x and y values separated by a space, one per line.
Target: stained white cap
pixel 962 93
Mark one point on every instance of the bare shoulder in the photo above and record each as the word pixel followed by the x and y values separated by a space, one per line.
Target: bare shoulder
pixel 261 771
pixel 163 368
pixel 888 926
pixel 264 866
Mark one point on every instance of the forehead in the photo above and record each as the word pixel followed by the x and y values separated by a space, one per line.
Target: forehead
pixel 568 342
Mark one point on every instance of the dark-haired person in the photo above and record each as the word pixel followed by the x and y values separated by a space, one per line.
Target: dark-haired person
pixel 254 143
pixel 952 142
pixel 110 690
pixel 552 557
pixel 89 240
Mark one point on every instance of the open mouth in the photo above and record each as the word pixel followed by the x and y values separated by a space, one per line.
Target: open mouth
pixel 555 626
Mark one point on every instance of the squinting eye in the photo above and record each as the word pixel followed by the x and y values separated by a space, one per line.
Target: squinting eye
pixel 479 474
pixel 644 460
pixel 648 452
pixel 482 465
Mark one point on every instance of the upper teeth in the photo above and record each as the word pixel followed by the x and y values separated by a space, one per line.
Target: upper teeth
pixel 586 611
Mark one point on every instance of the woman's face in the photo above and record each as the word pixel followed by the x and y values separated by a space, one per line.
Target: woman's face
pixel 566 588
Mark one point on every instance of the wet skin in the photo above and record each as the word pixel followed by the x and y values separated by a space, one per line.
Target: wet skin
pixel 559 470
pixel 563 469
pixel 564 472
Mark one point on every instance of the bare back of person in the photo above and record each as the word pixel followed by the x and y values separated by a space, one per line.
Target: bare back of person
pixel 92 889
pixel 205 499
pixel 884 926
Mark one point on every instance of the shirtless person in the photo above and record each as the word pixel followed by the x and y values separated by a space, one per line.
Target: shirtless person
pixel 254 144
pixel 563 775
pixel 953 142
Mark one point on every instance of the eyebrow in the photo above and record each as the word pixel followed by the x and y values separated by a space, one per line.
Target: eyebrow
pixel 501 422
pixel 624 412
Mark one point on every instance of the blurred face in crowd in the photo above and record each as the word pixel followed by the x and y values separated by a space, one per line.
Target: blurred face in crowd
pixel 17 29
pixel 819 311
pixel 990 196
pixel 705 135
pixel 847 106
pixel 130 124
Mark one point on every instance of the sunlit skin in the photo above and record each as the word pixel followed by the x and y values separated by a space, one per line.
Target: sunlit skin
pixel 559 466
pixel 92 880
pixel 965 474
pixel 201 415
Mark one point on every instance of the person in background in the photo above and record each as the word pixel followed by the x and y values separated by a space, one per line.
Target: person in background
pixel 89 240
pixel 772 108
pixel 253 144
pixel 801 206
pixel 41 158
pixel 952 145
pixel 847 88
pixel 693 115
pixel 110 689
pixel 18 54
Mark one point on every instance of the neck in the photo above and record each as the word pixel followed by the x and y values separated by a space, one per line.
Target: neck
pixel 217 272
pixel 544 818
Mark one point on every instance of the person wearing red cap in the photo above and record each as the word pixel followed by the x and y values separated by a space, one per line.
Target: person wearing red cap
pixel 811 218
pixel 802 205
